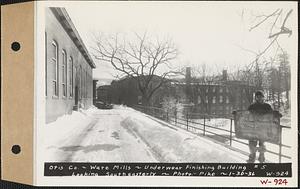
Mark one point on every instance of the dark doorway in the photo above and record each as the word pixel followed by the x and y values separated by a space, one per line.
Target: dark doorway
pixel 76 95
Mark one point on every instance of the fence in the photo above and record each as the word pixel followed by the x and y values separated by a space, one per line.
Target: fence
pixel 187 122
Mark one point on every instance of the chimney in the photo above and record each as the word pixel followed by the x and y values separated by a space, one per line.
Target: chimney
pixel 188 88
pixel 188 75
pixel 224 75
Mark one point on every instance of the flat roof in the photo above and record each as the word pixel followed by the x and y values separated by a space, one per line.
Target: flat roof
pixel 65 20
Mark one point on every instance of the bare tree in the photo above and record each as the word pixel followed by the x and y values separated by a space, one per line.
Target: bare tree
pixel 285 75
pixel 258 72
pixel 279 76
pixel 141 58
pixel 204 78
pixel 277 21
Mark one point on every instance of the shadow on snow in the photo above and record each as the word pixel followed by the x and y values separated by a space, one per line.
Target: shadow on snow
pixel 90 148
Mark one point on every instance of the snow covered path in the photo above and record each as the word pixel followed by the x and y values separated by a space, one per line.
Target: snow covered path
pixel 125 135
pixel 105 140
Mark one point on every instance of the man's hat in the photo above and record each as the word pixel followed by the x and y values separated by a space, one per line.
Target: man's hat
pixel 257 93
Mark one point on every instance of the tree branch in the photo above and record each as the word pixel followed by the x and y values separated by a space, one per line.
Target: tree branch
pixel 139 59
pixel 262 21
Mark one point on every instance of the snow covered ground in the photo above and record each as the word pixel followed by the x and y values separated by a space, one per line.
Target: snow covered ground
pixel 123 134
pixel 225 125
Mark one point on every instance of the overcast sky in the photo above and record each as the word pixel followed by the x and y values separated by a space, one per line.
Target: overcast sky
pixel 209 32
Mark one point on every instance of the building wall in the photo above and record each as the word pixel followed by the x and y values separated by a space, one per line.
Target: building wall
pixel 124 92
pixel 95 93
pixel 212 99
pixel 221 99
pixel 58 105
pixel 127 92
pixel 103 94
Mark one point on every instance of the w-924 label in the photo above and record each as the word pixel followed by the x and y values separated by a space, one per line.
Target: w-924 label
pixel 276 182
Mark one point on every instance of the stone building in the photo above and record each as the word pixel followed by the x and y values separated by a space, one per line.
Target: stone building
pixel 68 66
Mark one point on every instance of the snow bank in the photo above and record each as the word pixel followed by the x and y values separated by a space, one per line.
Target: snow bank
pixel 225 124
pixel 91 110
pixel 68 125
pixel 170 144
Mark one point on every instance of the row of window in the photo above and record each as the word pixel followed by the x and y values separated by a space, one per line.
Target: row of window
pixel 214 99
pixel 221 89
pixel 222 112
pixel 67 73
pixel 66 70
pixel 222 109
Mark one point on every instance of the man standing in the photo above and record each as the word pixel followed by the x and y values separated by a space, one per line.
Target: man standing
pixel 258 107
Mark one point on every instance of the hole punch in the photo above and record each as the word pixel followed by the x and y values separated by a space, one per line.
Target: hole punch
pixel 16 149
pixel 15 46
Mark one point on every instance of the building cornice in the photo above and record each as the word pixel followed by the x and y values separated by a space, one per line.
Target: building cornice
pixel 66 22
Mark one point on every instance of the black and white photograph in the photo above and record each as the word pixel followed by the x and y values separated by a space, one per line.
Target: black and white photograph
pixel 198 84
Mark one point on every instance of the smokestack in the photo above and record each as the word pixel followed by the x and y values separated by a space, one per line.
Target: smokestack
pixel 188 85
pixel 188 75
pixel 225 75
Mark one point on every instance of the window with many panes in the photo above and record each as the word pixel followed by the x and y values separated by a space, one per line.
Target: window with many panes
pixel 86 84
pixel 71 76
pixel 199 99
pixel 54 60
pixel 64 73
pixel 227 99
pixel 221 99
pixel 214 100
pixel 80 81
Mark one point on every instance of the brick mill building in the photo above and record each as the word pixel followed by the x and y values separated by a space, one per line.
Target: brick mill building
pixel 218 98
pixel 68 66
